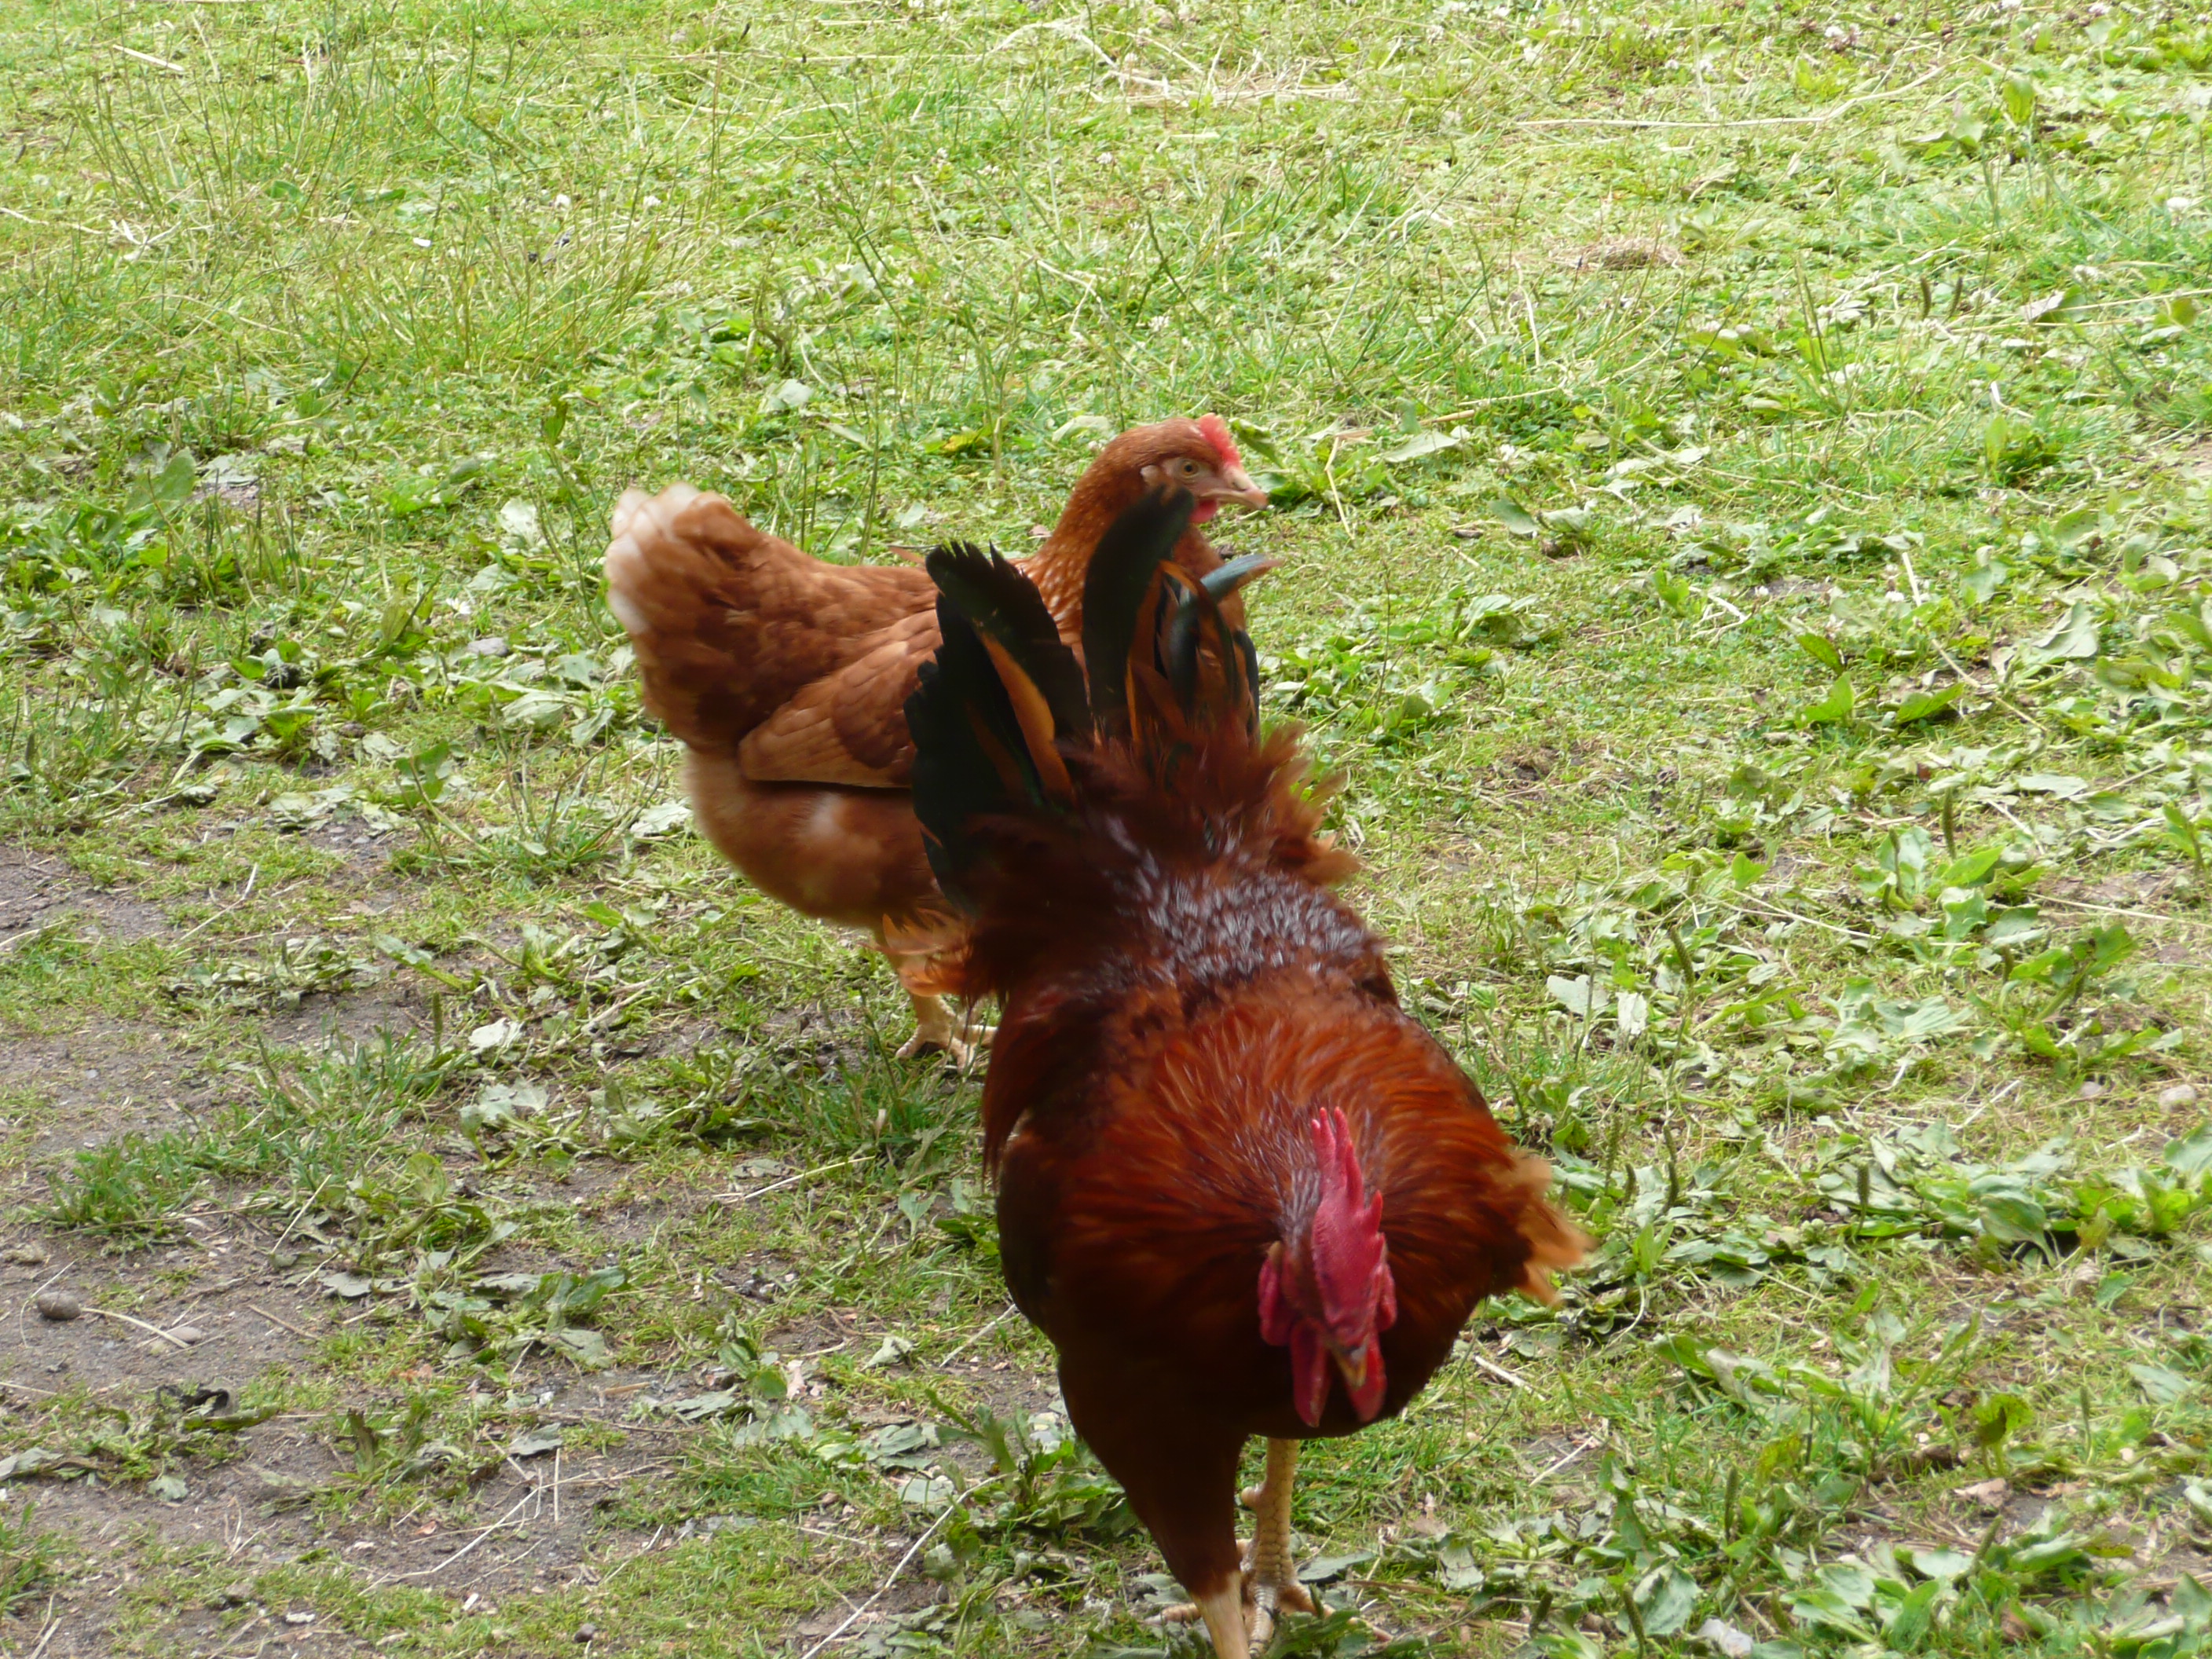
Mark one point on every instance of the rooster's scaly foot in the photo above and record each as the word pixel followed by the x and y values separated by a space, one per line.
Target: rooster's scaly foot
pixel 1240 1618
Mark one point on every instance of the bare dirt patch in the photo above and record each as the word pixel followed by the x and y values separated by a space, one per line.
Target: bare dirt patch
pixel 105 1078
pixel 349 1016
pixel 276 1491
pixel 38 889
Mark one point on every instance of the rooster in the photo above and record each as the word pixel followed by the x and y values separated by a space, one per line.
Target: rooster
pixel 786 679
pixel 1239 1188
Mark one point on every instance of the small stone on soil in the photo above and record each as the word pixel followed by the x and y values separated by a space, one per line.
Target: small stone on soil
pixel 2181 1094
pixel 189 1333
pixel 587 1632
pixel 34 1255
pixel 57 1305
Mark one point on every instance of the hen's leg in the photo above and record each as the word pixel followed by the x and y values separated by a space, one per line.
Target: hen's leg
pixel 935 1027
pixel 1241 1615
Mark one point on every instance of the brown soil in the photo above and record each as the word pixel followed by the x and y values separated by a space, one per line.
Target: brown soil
pixel 38 890
pixel 270 1493
pixel 103 1078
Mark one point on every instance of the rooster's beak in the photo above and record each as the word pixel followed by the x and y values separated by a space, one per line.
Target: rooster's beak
pixel 1240 488
pixel 1352 1367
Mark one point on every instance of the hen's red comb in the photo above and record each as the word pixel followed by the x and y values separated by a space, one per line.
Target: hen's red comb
pixel 1215 431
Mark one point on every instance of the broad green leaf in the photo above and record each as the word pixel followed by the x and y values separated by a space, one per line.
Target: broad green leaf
pixel 1926 705
pixel 175 483
pixel 698 1408
pixel 2076 527
pixel 2074 637
pixel 1972 869
pixel 1822 650
pixel 2015 927
pixel 2162 1386
pixel 1665 1599
pixel 2192 1154
pixel 1323 1568
pixel 2014 1219
pixel 1566 1645
pixel 1852 1584
pixel 587 1349
pixel 1419 444
pixel 1822 1608
pixel 1570 523
pixel 1832 710
pixel 1908 1626
pixel 1457 1568
pixel 1916 1022
pixel 1514 516
pixel 1999 1417
pixel 1580 996
pixel 1944 1566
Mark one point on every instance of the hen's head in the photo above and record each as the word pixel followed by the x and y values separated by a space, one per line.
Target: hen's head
pixel 1198 456
pixel 1329 1294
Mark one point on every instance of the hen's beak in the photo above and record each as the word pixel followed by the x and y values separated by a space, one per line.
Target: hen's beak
pixel 1237 486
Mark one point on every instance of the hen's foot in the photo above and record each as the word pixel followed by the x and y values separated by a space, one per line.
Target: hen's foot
pixel 936 1030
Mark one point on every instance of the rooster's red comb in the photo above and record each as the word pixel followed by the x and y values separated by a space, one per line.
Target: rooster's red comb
pixel 1215 431
pixel 1348 1250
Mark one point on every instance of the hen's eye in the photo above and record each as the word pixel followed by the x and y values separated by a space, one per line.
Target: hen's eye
pixel 1188 468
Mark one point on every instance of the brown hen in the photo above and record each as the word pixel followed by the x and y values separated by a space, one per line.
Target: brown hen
pixel 786 679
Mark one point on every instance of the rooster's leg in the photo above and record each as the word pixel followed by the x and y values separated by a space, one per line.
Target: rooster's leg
pixel 1270 1577
pixel 1241 1615
pixel 1224 1613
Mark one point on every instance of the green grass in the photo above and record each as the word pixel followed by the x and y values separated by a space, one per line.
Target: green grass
pixel 1746 474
